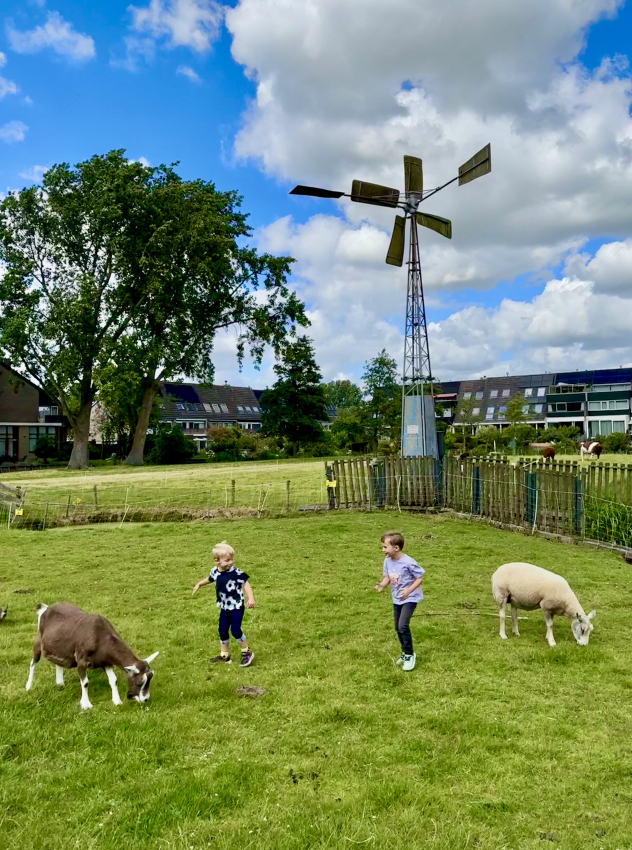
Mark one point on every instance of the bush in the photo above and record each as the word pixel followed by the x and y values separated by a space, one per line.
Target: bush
pixel 616 443
pixel 172 446
pixel 45 448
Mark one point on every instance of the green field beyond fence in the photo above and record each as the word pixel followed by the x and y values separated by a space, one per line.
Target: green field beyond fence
pixel 587 500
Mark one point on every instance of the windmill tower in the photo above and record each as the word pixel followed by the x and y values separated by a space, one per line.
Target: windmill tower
pixel 419 433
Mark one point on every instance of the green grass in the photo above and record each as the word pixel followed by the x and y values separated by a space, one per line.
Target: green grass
pixel 487 744
pixel 185 486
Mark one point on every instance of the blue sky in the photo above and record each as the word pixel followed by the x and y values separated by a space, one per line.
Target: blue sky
pixel 81 89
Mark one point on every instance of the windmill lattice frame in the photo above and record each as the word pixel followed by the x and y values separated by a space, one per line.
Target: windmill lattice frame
pixel 419 435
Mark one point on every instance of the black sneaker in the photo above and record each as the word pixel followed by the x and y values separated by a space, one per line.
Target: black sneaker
pixel 224 658
pixel 246 658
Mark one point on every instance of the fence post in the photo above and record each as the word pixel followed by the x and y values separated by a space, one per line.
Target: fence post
pixel 288 484
pixel 577 488
pixel 476 490
pixel 208 505
pixel 68 505
pixel 96 502
pixel 232 492
pixel 45 515
pixel 9 516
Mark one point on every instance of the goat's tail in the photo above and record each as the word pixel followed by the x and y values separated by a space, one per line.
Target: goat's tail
pixel 40 610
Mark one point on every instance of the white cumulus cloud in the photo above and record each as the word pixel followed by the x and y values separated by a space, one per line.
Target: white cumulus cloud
pixel 14 131
pixel 186 71
pixel 183 23
pixel 35 173
pixel 56 34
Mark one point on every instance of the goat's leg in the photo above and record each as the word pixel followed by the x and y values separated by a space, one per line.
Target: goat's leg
pixel 109 672
pixel 83 680
pixel 514 620
pixel 37 654
pixel 59 675
pixel 501 614
pixel 548 619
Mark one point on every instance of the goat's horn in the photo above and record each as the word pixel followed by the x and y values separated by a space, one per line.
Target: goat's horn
pixel 150 658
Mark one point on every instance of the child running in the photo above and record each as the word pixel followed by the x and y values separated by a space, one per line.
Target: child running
pixel 230 586
pixel 405 576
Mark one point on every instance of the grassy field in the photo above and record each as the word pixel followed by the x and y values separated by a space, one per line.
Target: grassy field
pixel 195 485
pixel 486 744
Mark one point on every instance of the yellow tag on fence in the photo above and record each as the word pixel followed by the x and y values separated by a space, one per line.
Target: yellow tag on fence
pixel 332 483
pixel 19 511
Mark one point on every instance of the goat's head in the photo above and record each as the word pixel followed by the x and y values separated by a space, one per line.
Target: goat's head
pixel 582 627
pixel 139 677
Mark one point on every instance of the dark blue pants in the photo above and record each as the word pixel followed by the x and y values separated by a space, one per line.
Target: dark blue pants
pixel 402 615
pixel 231 620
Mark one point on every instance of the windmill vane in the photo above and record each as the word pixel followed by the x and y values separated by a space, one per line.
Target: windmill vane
pixel 419 433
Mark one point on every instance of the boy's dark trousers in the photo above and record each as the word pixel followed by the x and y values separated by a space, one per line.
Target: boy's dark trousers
pixel 231 620
pixel 402 615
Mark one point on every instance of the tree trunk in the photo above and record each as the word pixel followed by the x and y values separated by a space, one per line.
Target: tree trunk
pixel 80 436
pixel 136 455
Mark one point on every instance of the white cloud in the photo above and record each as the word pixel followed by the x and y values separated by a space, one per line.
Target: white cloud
pixel 7 87
pixel 3 60
pixel 56 34
pixel 186 71
pixel 143 161
pixel 14 131
pixel 35 173
pixel 343 95
pixel 183 23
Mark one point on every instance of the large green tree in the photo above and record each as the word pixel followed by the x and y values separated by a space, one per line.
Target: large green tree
pixel 63 308
pixel 383 399
pixel 200 279
pixel 342 394
pixel 294 407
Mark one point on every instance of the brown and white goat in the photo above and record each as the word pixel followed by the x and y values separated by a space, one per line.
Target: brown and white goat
pixel 590 447
pixel 69 637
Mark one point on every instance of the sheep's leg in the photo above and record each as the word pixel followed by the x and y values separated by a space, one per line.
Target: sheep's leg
pixel 109 672
pixel 59 675
pixel 548 619
pixel 83 679
pixel 514 620
pixel 37 654
pixel 501 614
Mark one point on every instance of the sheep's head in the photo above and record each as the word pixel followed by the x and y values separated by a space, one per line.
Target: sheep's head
pixel 582 627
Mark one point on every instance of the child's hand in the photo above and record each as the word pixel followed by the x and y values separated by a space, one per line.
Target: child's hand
pixel 404 593
pixel 195 589
pixel 379 588
pixel 250 603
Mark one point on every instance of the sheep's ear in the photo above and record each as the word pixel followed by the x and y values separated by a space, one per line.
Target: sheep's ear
pixel 591 616
pixel 132 669
pixel 151 657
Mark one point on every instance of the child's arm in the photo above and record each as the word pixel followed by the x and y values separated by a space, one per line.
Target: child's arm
pixel 250 598
pixel 200 584
pixel 379 587
pixel 406 591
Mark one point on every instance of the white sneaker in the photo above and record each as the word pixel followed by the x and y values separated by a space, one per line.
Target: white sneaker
pixel 409 662
pixel 400 660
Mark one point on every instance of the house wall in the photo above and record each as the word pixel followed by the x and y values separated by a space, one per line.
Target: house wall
pixel 18 402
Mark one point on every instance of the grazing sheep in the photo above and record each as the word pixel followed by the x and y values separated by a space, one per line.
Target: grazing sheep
pixel 527 586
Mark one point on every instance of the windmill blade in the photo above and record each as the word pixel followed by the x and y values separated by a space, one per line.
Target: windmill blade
pixel 480 164
pixel 315 192
pixel 372 193
pixel 395 255
pixel 443 226
pixel 413 176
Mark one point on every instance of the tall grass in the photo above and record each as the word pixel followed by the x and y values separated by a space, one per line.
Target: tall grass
pixel 607 521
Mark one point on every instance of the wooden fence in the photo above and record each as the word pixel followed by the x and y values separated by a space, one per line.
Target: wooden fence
pixel 556 497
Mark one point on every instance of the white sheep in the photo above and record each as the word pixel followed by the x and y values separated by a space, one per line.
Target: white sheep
pixel 527 586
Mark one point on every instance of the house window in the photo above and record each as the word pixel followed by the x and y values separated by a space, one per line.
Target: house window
pixel 618 426
pixel 490 413
pixel 501 411
pixel 224 408
pixel 594 405
pixel 8 441
pixel 217 408
pixel 467 396
pixel 493 394
pixel 180 407
pixel 476 411
pixel 538 408
pixel 240 407
pixel 525 409
pixel 479 395
pixel 574 406
pixel 560 407
pixel 541 391
pixel 622 404
pixel 37 431
pixel 528 392
pixel 506 393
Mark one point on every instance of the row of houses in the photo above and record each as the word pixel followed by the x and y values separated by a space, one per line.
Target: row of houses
pixel 596 401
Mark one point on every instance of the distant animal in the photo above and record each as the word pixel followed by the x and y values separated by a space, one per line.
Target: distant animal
pixel 549 453
pixel 69 637
pixel 529 587
pixel 3 612
pixel 590 447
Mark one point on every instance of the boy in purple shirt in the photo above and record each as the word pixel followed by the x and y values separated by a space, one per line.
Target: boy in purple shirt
pixel 405 576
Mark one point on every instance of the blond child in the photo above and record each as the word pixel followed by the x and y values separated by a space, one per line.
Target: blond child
pixel 231 585
pixel 405 576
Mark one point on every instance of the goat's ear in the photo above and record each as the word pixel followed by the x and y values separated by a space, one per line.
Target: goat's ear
pixel 150 658
pixel 132 669
pixel 591 616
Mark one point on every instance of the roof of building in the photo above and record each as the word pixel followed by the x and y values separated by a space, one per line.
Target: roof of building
pixel 217 402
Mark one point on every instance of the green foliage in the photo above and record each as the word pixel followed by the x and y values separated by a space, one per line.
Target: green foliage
pixel 616 443
pixel 467 419
pixel 342 394
pixel 608 521
pixel 384 399
pixel 295 406
pixel 235 444
pixel 559 434
pixel 492 439
pixel 521 435
pixel 350 429
pixel 514 414
pixel 171 445
pixel 45 448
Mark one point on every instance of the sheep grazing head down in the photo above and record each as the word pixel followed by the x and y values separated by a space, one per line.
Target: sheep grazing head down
pixel 582 627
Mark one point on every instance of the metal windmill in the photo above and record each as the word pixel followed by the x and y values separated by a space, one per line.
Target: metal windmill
pixel 419 433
